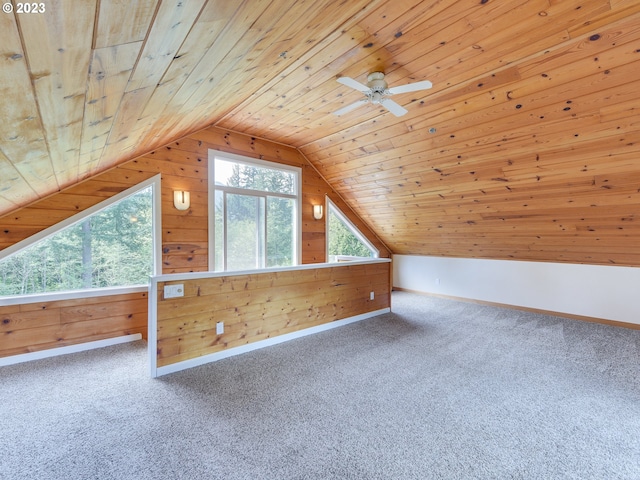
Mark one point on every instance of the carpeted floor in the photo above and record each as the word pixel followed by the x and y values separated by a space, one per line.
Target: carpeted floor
pixel 436 390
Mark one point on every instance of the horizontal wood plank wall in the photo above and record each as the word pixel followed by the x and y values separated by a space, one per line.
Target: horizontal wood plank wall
pixel 258 306
pixel 183 166
pixel 32 327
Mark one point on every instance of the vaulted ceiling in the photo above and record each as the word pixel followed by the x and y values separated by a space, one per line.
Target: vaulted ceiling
pixel 527 146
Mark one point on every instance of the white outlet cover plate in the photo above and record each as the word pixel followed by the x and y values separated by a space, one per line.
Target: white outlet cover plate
pixel 173 291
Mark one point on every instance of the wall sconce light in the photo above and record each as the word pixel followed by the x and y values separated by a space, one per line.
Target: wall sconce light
pixel 317 212
pixel 181 199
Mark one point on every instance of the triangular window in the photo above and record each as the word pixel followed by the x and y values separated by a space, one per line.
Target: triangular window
pixel 110 246
pixel 344 241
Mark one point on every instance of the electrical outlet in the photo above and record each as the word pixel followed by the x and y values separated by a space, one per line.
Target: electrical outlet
pixel 437 281
pixel 372 296
pixel 219 328
pixel 173 291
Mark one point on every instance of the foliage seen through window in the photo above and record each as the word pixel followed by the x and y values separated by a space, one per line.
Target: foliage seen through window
pixel 113 247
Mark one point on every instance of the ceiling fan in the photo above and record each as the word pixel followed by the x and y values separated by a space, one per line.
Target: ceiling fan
pixel 377 92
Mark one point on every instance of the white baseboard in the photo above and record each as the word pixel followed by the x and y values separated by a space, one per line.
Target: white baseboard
pixel 81 347
pixel 213 357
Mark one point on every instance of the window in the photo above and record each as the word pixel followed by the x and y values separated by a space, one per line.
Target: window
pixel 108 246
pixel 255 215
pixel 344 240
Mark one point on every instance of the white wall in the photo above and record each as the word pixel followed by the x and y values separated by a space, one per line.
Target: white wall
pixel 606 292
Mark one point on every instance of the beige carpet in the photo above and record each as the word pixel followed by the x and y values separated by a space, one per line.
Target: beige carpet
pixel 437 389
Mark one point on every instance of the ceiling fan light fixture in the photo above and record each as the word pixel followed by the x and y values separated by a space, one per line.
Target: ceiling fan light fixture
pixel 376 98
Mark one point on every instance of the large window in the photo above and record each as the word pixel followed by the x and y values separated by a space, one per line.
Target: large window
pixel 111 247
pixel 255 215
pixel 344 240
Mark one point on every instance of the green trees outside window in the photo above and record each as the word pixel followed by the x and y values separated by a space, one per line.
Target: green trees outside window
pixel 113 247
pixel 255 220
pixel 344 239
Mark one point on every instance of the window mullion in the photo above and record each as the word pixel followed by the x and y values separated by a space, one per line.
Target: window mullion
pixel 255 193
pixel 264 231
pixel 225 218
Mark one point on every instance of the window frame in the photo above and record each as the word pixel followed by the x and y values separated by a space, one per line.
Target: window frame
pixel 154 183
pixel 297 198
pixel 330 206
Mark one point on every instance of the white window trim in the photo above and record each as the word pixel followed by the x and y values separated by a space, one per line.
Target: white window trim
pixel 297 171
pixel 154 182
pixel 329 205
pixel 71 295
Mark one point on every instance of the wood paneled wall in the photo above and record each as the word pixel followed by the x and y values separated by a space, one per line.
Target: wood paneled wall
pixel 183 166
pixel 32 327
pixel 259 306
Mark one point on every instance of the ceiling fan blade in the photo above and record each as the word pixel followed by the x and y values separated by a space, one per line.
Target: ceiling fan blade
pixel 350 107
pixel 350 82
pixel 411 87
pixel 393 107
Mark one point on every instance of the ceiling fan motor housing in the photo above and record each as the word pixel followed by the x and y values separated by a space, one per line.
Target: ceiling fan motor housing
pixel 376 82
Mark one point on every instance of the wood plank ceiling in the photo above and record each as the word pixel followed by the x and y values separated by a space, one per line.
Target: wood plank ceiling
pixel 534 109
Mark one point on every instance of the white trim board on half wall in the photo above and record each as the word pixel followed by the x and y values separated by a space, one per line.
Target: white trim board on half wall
pixel 597 291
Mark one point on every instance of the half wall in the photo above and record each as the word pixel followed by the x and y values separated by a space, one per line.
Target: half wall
pixel 257 308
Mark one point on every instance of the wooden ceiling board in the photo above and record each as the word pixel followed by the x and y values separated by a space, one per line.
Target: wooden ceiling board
pixel 22 139
pixel 123 21
pixel 13 186
pixel 108 76
pixel 538 82
pixel 176 94
pixel 535 146
pixel 172 23
pixel 357 62
pixel 237 72
pixel 471 87
pixel 56 49
pixel 358 41
pixel 280 89
pixel 212 22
